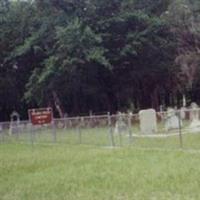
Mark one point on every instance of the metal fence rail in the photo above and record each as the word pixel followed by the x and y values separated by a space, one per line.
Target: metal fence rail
pixel 178 129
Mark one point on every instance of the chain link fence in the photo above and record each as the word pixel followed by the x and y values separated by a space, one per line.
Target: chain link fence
pixel 172 129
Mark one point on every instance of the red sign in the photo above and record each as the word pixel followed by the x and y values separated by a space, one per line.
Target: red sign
pixel 41 116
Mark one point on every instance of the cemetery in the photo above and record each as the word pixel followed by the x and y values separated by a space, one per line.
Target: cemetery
pixel 99 99
pixel 165 129
pixel 99 151
pixel 113 155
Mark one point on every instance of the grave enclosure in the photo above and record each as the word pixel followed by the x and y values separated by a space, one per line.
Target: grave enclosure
pixel 173 128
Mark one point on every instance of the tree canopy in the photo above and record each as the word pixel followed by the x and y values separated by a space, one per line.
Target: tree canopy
pixel 89 55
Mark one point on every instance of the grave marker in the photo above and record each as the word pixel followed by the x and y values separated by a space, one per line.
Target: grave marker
pixel 172 121
pixel 148 121
pixel 194 117
pixel 14 123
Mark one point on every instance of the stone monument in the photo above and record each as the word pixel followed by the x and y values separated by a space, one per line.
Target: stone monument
pixel 183 111
pixel 194 117
pixel 172 121
pixel 14 123
pixel 148 121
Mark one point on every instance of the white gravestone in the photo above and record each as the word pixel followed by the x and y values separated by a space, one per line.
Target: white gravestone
pixel 14 123
pixel 194 117
pixel 183 111
pixel 172 121
pixel 148 121
pixel 194 112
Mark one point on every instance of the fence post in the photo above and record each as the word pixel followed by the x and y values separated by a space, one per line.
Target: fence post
pixel 129 128
pixel 120 138
pixel 110 131
pixel 180 130
pixel 19 132
pixel 31 135
pixel 1 134
pixel 120 121
pixel 79 130
pixel 65 120
pixel 80 135
pixel 53 126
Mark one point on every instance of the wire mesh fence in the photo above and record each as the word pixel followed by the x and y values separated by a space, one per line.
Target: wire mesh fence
pixel 170 129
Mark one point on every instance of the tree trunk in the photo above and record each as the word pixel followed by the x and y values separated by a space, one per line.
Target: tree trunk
pixel 57 104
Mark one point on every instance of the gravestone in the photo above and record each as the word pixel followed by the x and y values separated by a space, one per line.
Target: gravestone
pixel 194 112
pixel 120 125
pixel 194 117
pixel 148 121
pixel 172 121
pixel 14 123
pixel 183 113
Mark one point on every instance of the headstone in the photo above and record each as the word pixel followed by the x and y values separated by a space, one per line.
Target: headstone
pixel 14 123
pixel 120 125
pixel 172 121
pixel 148 121
pixel 183 113
pixel 194 112
pixel 194 117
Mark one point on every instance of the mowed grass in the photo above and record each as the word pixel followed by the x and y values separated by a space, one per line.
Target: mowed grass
pixel 102 137
pixel 71 172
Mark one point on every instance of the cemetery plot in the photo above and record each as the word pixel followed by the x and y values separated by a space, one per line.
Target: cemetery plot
pixel 173 128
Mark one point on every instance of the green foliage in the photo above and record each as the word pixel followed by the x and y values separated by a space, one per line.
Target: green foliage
pixel 95 55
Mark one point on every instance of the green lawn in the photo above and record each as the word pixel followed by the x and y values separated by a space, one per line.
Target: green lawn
pixel 101 137
pixel 71 172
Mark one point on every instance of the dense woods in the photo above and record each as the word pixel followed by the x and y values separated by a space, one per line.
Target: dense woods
pixel 79 56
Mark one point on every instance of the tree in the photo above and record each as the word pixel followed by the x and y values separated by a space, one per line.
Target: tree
pixel 183 17
pixel 103 55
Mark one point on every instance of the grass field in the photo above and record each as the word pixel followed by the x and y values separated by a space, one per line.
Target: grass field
pixel 102 137
pixel 71 172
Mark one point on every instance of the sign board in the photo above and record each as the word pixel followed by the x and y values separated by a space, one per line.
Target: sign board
pixel 40 116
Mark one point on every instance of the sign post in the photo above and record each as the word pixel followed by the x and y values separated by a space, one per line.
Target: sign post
pixel 42 116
